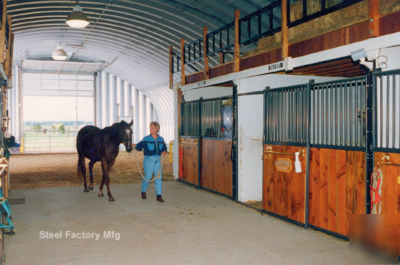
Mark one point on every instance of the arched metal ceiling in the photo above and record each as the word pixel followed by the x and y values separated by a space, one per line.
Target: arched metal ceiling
pixel 131 35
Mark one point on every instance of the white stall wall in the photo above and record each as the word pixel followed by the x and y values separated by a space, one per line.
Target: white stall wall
pixel 250 129
pixel 207 92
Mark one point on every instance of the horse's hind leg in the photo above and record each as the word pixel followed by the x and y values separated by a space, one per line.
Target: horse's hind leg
pixel 104 169
pixel 106 179
pixel 91 164
pixel 82 171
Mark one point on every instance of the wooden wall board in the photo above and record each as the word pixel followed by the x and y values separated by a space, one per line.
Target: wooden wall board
pixel 390 197
pixel 337 188
pixel 190 160
pixel 216 165
pixel 284 193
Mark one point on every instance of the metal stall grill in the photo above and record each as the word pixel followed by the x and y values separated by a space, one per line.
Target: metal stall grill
pixel 338 114
pixel 190 119
pixel 206 144
pixel 387 115
pixel 211 118
pixel 286 116
pixel 325 124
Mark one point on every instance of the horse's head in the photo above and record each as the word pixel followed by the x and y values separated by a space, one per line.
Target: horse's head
pixel 125 135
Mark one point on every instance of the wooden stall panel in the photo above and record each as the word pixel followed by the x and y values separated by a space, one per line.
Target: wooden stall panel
pixel 389 163
pixel 216 165
pixel 337 188
pixel 283 188
pixel 190 159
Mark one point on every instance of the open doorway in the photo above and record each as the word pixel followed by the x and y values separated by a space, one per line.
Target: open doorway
pixel 55 107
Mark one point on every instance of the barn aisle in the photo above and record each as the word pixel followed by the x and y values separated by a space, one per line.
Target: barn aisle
pixel 192 227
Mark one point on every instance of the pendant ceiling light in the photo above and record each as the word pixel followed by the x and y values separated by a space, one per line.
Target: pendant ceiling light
pixel 59 54
pixel 77 19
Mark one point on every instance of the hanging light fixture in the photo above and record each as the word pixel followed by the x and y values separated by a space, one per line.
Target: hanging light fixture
pixel 59 54
pixel 77 19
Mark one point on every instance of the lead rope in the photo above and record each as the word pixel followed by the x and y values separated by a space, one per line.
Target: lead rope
pixel 376 191
pixel 153 178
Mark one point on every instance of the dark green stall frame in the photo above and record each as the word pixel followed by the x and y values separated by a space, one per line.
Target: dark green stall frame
pixel 206 143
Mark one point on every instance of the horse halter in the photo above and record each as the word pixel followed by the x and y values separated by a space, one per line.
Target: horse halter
pixel 126 136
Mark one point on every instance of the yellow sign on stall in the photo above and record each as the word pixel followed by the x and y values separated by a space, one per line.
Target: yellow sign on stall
pixel 283 164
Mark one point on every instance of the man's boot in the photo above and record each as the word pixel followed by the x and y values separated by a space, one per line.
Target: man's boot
pixel 144 197
pixel 159 198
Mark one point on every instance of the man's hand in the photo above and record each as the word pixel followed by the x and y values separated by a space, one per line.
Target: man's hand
pixel 164 153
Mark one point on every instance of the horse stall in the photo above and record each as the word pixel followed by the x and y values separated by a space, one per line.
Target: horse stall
pixel 272 188
pixel 205 149
pixel 319 126
pixel 331 152
pixel 314 147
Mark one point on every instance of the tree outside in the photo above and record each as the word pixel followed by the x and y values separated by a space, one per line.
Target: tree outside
pixel 37 127
pixel 61 129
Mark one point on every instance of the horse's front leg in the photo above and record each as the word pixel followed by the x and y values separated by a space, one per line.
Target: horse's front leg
pixel 105 167
pixel 91 164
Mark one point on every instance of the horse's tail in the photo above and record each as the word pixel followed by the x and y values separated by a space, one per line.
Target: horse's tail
pixel 81 166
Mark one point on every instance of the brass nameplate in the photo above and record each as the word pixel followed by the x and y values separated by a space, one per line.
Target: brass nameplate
pixel 283 164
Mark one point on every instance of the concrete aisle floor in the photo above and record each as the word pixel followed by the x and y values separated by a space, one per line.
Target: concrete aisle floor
pixel 191 227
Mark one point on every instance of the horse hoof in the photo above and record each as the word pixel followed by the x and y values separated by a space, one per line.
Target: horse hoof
pixel 101 194
pixel 111 199
pixel 86 190
pixel 90 187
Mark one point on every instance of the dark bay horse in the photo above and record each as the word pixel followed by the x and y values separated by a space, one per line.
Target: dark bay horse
pixel 101 145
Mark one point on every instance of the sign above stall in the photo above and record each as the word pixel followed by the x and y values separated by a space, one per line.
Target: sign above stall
pixel 283 164
pixel 285 65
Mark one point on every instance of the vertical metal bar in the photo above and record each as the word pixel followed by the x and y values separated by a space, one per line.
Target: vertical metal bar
pixel 393 111
pixel 353 115
pixel 312 117
pixel 288 129
pixel 275 115
pixel 271 19
pixel 271 133
pixel 249 28
pixel 279 134
pixel 199 144
pixel 213 41
pixel 220 39
pixel 323 114
pixel 234 145
pixel 269 115
pixel 294 113
pixel 318 121
pixel 304 8
pixel 286 115
pixel 369 157
pixel 381 111
pixel 332 118
pixel 266 115
pixel 387 112
pixel 325 123
pixel 300 109
pixel 304 111
pixel 357 110
pixel 342 112
pixel 307 202
pixel 348 125
pixel 374 112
